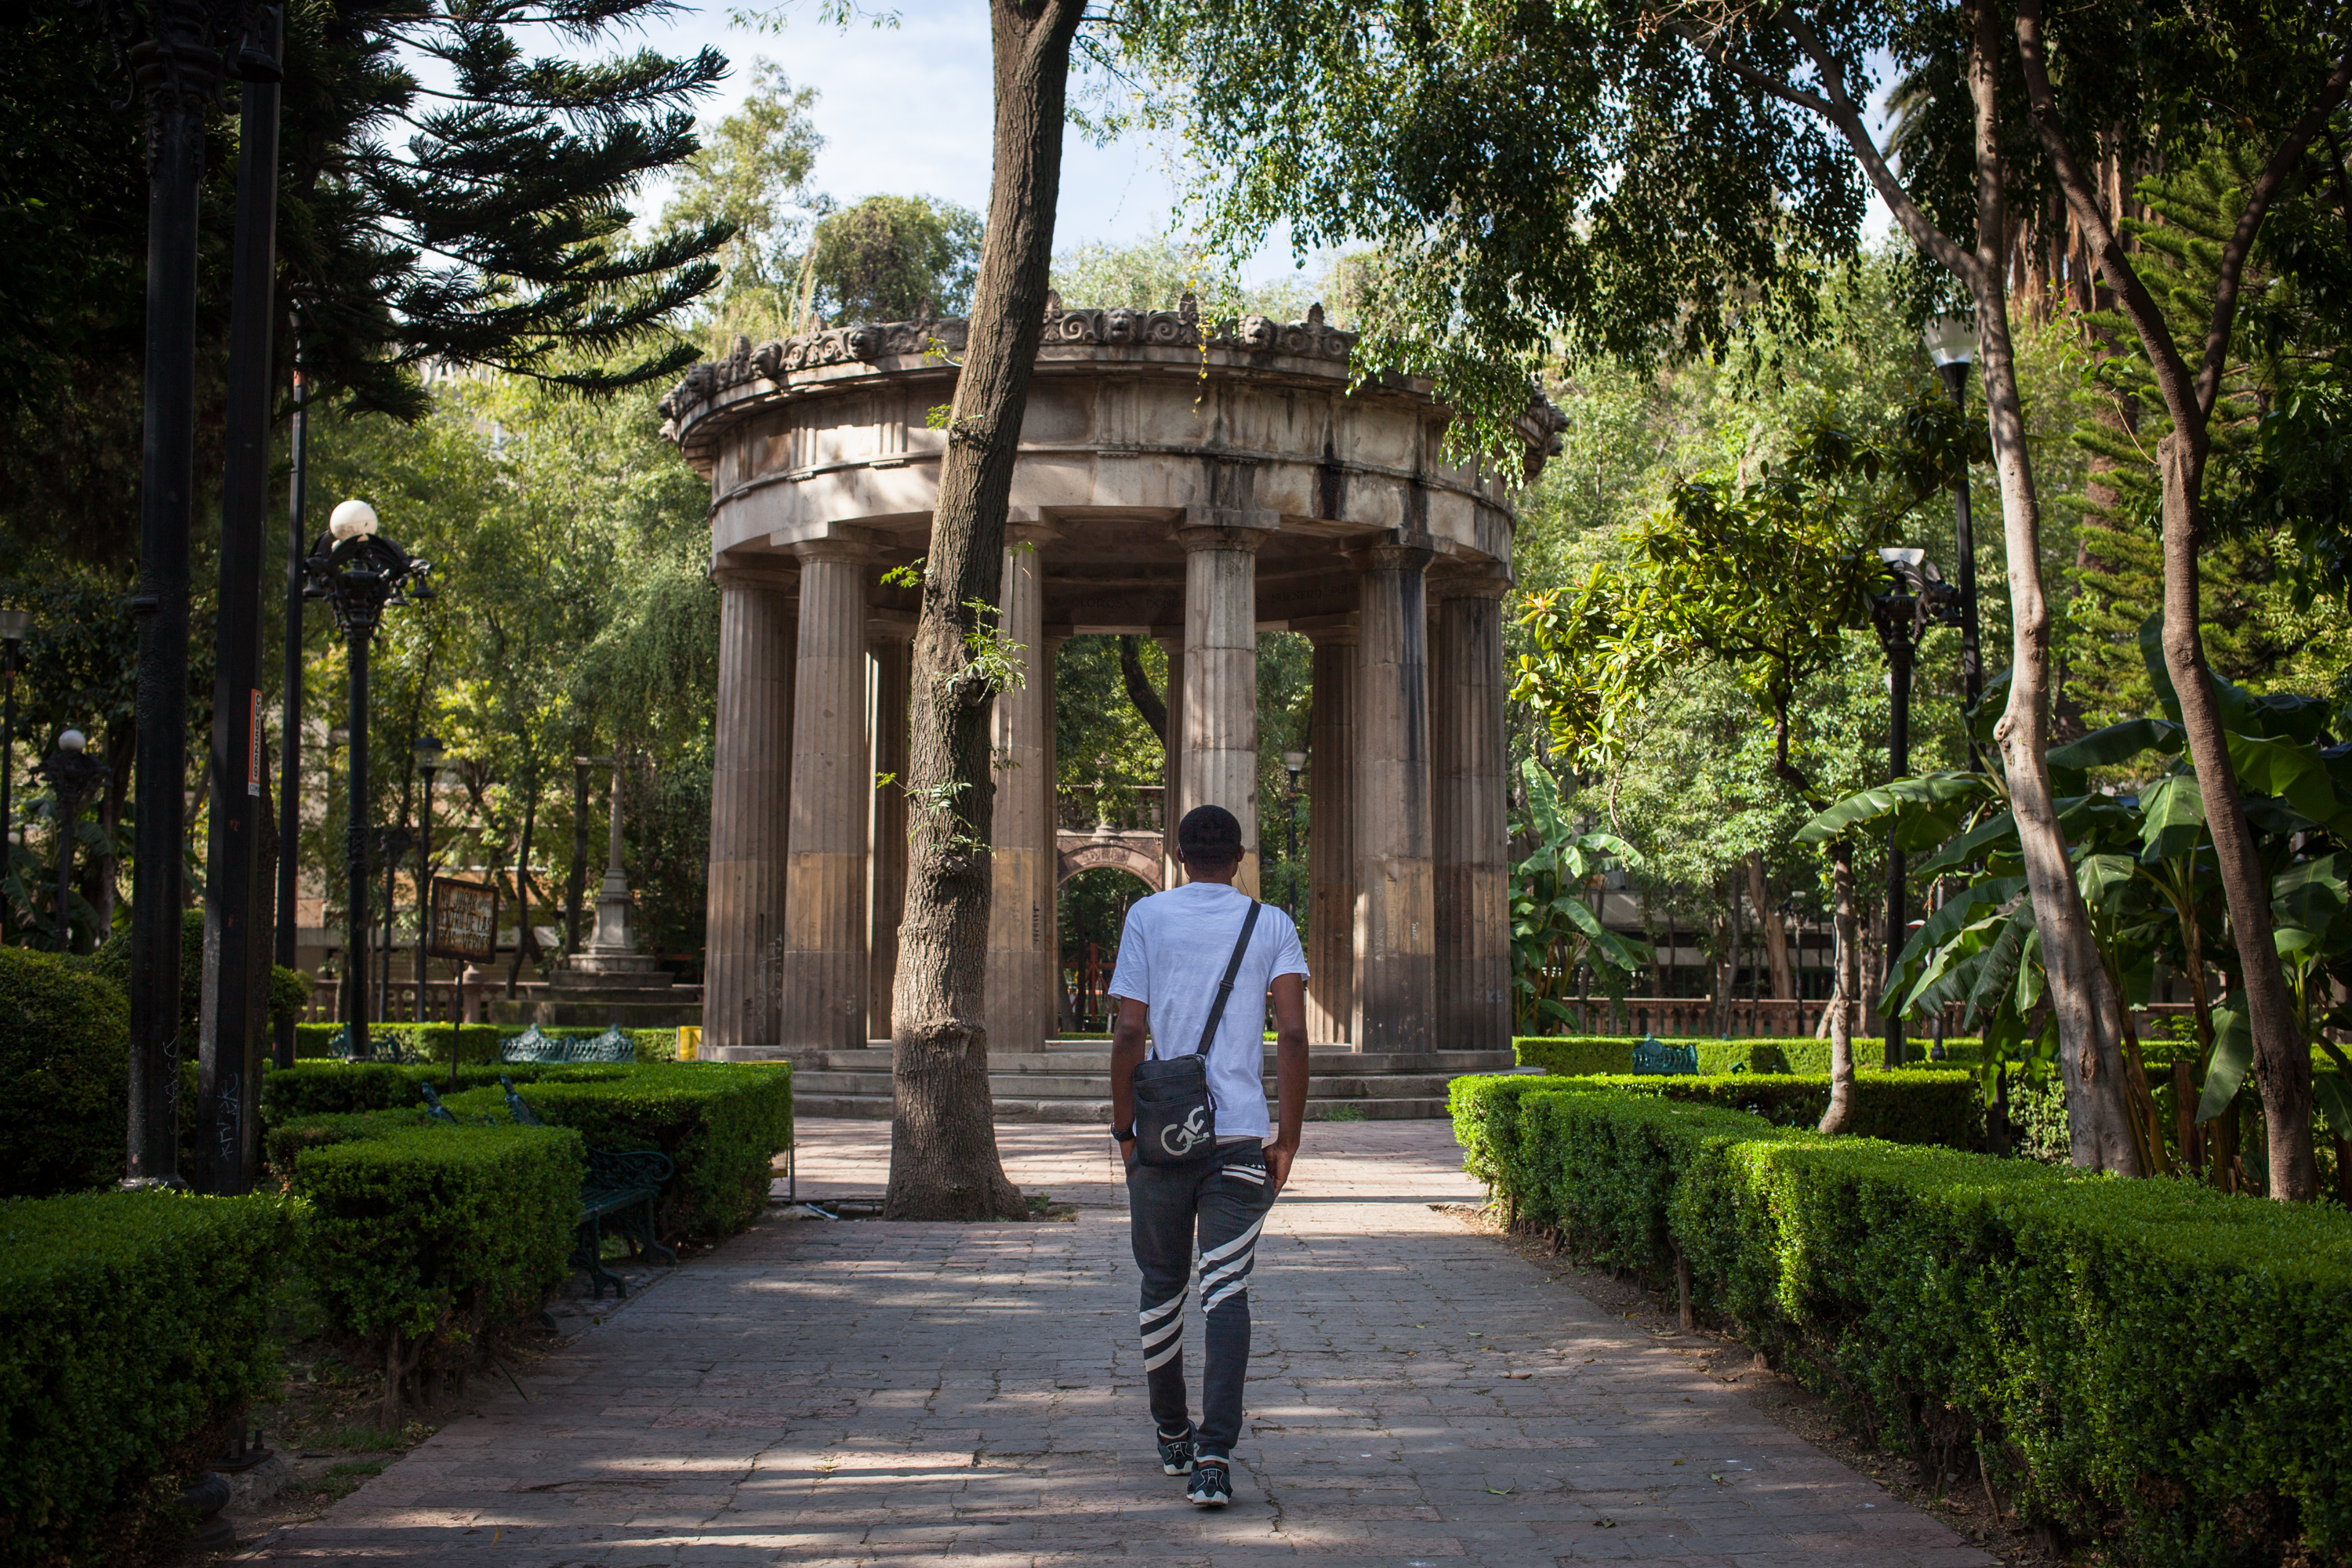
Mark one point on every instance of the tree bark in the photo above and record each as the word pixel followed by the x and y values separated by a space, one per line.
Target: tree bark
pixel 1775 929
pixel 2281 1062
pixel 1840 1114
pixel 575 888
pixel 1148 704
pixel 943 1157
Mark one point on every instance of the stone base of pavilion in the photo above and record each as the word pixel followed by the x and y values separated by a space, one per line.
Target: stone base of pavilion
pixel 593 989
pixel 1069 1081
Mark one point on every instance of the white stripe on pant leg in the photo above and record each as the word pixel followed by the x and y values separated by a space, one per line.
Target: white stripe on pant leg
pixel 1238 1243
pixel 1224 1272
pixel 1162 1310
pixel 1236 1287
pixel 1175 1348
pixel 1154 1338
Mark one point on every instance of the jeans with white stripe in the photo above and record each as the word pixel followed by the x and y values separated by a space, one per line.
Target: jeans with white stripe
pixel 1224 1200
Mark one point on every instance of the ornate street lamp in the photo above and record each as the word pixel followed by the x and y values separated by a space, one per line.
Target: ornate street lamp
pixel 427 751
pixel 1915 597
pixel 358 572
pixel 1293 763
pixel 1951 344
pixel 13 625
pixel 73 776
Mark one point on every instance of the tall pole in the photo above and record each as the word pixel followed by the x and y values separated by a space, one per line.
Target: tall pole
pixel 1956 381
pixel 355 836
pixel 179 72
pixel 228 1032
pixel 10 636
pixel 289 732
pixel 1899 649
pixel 425 896
pixel 575 890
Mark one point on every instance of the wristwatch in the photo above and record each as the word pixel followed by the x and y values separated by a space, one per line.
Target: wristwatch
pixel 1123 1134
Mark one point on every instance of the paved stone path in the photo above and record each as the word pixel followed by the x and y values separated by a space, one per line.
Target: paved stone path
pixel 850 1393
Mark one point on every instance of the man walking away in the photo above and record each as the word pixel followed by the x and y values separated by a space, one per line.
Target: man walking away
pixel 1174 954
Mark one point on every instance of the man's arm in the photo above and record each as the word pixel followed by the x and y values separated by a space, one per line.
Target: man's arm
pixel 1289 992
pixel 1128 1044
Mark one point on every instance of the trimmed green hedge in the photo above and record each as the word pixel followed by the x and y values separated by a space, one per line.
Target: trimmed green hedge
pixel 137 1325
pixel 64 1054
pixel 420 1237
pixel 476 1042
pixel 2150 1365
pixel 723 1122
pixel 1582 1055
pixel 1924 1106
pixel 332 1088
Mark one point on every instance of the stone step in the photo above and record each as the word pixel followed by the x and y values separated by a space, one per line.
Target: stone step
pixel 1044 1086
pixel 1331 1063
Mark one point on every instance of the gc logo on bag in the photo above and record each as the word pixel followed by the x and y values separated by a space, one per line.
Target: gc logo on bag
pixel 1180 1138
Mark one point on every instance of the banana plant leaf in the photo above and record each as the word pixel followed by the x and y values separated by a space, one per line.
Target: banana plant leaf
pixel 1964 849
pixel 2332 1092
pixel 2233 1053
pixel 1623 951
pixel 2117 744
pixel 1929 806
pixel 2333 872
pixel 2100 875
pixel 2172 817
pixel 1962 909
pixel 2295 773
pixel 1998 975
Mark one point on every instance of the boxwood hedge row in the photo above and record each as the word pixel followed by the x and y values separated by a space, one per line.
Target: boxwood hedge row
pixel 1581 1054
pixel 138 1329
pixel 2151 1366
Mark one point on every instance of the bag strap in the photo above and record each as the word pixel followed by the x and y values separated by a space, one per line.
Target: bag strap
pixel 1226 987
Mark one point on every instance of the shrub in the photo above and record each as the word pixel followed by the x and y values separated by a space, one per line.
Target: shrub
pixel 65 1054
pixel 2150 1364
pixel 133 1326
pixel 723 1122
pixel 421 1236
pixel 333 1087
pixel 1583 1055
pixel 477 1043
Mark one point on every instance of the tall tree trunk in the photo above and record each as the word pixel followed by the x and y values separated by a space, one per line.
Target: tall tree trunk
pixel 943 1157
pixel 1840 1114
pixel 1149 705
pixel 1775 929
pixel 2282 1056
pixel 575 887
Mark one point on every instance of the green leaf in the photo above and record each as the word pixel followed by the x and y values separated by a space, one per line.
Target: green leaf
pixel 2295 772
pixel 2233 1053
pixel 2098 875
pixel 2172 817
pixel 2332 1095
pixel 2000 961
pixel 1963 850
pixel 1933 794
pixel 2118 743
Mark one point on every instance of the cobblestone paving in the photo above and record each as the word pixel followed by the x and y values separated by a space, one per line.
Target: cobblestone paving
pixel 860 1392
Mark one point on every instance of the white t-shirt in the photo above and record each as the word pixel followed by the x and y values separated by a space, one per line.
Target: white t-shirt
pixel 1170 957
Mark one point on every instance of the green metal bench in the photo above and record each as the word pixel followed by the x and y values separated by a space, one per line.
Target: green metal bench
pixel 621 1186
pixel 535 1045
pixel 1655 1056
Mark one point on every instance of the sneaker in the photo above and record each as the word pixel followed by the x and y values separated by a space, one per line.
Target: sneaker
pixel 1212 1485
pixel 1176 1453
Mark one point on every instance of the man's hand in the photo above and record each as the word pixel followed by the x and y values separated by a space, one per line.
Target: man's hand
pixel 1278 1157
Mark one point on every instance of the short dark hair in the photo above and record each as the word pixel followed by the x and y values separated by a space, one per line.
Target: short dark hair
pixel 1210 836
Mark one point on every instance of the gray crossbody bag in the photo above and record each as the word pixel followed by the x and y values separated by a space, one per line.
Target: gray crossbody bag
pixel 1175 1115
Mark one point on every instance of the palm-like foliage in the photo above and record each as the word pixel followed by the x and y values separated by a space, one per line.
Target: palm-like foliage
pixel 1557 942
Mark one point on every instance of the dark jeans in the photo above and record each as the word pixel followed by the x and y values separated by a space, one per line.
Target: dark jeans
pixel 1224 1199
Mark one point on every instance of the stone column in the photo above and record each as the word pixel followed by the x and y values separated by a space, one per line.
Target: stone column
pixel 1020 970
pixel 825 937
pixel 1220 729
pixel 750 809
pixel 891 646
pixel 1473 900
pixel 1395 940
pixel 1042 674
pixel 1172 772
pixel 1331 842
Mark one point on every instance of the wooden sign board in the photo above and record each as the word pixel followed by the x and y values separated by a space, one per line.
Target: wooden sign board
pixel 465 920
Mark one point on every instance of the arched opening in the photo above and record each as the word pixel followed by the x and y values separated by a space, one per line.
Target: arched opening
pixel 1091 907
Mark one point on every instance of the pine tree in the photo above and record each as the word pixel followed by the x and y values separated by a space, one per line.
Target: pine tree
pixel 2119 573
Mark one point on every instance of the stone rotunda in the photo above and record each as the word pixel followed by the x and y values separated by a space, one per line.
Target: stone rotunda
pixel 1195 482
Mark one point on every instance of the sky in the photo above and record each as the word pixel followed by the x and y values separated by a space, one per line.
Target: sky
pixel 907 112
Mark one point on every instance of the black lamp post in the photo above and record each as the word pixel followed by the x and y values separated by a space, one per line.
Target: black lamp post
pixel 74 777
pixel 14 625
pixel 290 735
pixel 1915 598
pixel 1293 763
pixel 173 50
pixel 427 751
pixel 1951 342
pixel 359 572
